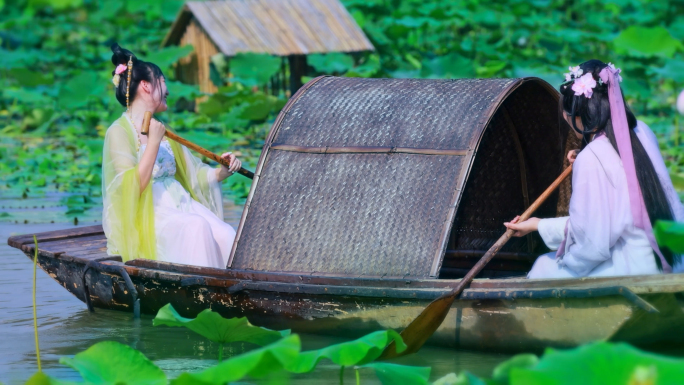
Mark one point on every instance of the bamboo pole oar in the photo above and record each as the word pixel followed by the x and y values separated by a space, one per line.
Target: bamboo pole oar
pixel 146 127
pixel 427 322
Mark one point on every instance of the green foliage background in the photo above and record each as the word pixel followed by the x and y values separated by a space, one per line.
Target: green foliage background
pixel 56 98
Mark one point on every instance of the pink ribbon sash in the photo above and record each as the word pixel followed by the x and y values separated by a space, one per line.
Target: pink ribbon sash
pixel 618 117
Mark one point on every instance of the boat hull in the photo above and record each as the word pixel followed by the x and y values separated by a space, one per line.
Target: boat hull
pixel 507 324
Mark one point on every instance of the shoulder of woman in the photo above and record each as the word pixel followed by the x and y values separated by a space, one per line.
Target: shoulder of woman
pixel 596 156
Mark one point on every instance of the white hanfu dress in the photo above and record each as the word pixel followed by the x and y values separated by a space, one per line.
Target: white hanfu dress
pixel 600 236
pixel 186 231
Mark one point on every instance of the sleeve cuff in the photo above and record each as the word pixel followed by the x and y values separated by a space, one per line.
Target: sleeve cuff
pixel 552 231
pixel 211 177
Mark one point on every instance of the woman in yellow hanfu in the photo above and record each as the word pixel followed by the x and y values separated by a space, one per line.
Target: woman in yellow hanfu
pixel 160 201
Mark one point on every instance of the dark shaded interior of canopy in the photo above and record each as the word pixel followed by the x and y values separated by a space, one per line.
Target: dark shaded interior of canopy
pixel 494 190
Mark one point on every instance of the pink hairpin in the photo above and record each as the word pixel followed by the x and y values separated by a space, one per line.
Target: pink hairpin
pixel 584 85
pixel 117 74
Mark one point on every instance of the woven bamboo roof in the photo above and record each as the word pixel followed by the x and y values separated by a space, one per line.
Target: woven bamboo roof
pixel 379 177
pixel 276 27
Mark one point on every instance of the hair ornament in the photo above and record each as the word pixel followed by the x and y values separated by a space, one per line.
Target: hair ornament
pixel 117 74
pixel 584 85
pixel 128 81
pixel 575 72
pixel 616 71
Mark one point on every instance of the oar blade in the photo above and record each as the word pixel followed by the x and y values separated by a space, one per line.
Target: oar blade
pixel 421 328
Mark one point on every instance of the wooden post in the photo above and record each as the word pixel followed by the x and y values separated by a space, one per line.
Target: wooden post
pixel 297 70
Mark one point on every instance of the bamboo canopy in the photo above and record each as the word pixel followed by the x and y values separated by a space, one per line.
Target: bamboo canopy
pixel 401 177
pixel 286 28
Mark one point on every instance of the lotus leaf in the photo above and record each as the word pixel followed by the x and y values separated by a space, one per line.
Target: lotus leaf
pixel 166 57
pixel 501 372
pixel 257 363
pixel 390 374
pixel 358 352
pixel 646 42
pixel 212 326
pixel 331 63
pixel 600 363
pixel 113 363
pixel 254 69
pixel 670 234
pixel 40 378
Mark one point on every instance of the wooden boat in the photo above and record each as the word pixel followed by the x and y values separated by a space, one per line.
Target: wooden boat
pixel 333 240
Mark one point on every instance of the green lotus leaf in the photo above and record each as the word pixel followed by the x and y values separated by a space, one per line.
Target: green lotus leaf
pixel 670 234
pixel 254 69
pixel 166 57
pixel 330 63
pixel 256 363
pixel 502 371
pixel 113 363
pixel 646 42
pixel 212 326
pixel 357 352
pixel 40 378
pixel 390 374
pixel 81 88
pixel 598 364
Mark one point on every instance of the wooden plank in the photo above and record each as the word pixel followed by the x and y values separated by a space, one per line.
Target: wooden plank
pixel 19 240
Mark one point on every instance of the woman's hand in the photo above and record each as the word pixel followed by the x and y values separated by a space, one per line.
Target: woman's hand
pixel 156 132
pixel 572 155
pixel 233 161
pixel 523 228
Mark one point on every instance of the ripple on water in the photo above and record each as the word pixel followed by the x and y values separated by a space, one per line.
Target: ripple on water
pixel 66 328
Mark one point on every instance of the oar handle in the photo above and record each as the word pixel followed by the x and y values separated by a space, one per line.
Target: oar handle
pixel 507 235
pixel 146 127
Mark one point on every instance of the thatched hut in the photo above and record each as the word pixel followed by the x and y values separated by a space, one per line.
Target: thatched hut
pixel 290 29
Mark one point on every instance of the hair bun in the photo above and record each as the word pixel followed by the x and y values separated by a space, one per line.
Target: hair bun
pixel 120 55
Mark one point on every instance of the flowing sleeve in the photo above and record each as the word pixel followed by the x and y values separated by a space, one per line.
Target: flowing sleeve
pixel 128 214
pixel 198 178
pixel 595 223
pixel 552 231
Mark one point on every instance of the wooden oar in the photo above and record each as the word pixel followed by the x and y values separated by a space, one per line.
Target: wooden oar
pixel 146 127
pixel 427 322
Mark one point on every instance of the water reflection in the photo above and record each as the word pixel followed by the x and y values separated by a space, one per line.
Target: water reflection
pixel 66 328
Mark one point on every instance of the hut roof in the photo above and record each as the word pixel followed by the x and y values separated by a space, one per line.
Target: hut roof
pixel 378 177
pixel 277 27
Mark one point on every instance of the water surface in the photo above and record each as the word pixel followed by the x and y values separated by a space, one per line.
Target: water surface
pixel 66 327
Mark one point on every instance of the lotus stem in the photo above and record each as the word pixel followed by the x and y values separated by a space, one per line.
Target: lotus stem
pixel 358 377
pixel 220 352
pixel 341 375
pixel 35 316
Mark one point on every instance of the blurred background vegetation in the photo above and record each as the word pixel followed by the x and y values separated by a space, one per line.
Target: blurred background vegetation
pixel 56 97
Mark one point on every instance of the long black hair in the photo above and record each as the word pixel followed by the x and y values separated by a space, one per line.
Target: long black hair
pixel 141 70
pixel 594 114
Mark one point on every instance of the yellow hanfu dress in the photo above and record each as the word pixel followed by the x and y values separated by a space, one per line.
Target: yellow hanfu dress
pixel 177 218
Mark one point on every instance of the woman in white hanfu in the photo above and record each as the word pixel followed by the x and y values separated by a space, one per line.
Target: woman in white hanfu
pixel 620 185
pixel 160 201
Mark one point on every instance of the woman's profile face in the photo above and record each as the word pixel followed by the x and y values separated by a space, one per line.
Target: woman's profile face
pixel 159 96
